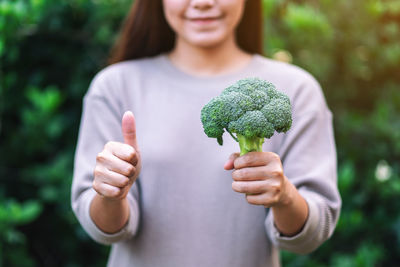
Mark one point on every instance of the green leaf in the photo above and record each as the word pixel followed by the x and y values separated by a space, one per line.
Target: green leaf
pixel 304 19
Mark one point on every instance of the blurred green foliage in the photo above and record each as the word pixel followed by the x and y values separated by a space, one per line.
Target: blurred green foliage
pixel 51 49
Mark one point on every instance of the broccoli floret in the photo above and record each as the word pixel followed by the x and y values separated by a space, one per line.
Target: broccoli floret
pixel 252 109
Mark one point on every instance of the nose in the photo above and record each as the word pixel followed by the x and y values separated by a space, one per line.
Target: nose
pixel 202 4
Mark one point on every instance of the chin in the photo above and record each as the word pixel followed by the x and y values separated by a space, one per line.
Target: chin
pixel 207 40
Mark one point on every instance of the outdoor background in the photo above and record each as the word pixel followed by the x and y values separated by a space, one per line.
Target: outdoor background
pixel 51 49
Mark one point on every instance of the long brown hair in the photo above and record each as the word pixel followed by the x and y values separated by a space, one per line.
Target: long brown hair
pixel 145 31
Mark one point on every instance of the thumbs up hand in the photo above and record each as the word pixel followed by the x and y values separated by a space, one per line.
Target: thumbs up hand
pixel 119 164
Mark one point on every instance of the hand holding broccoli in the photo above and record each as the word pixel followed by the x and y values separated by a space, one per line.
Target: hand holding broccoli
pixel 253 110
pixel 260 176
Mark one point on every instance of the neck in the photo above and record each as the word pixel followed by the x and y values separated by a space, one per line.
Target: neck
pixel 208 61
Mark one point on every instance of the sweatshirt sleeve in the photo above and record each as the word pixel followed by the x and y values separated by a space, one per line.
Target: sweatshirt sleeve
pixel 100 123
pixel 308 155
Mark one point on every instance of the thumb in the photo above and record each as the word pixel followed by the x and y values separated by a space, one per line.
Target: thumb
pixel 229 164
pixel 129 129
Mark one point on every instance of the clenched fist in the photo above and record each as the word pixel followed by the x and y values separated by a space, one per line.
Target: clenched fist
pixel 119 164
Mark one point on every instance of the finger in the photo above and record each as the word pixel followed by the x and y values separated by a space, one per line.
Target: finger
pixel 251 187
pixel 107 190
pixel 250 174
pixel 270 171
pixel 266 199
pixel 122 151
pixel 123 168
pixel 255 159
pixel 111 178
pixel 229 164
pixel 115 164
pixel 129 129
pixel 260 199
pixel 127 153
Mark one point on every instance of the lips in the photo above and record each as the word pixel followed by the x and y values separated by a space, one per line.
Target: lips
pixel 204 20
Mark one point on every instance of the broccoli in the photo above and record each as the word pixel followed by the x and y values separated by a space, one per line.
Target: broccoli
pixel 252 109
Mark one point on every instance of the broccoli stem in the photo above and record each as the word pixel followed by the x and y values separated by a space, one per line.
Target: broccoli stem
pixel 249 144
pixel 234 137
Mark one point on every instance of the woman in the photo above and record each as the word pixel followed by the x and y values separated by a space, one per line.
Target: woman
pixel 155 187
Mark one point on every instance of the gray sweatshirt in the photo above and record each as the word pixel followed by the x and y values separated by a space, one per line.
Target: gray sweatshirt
pixel 183 211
